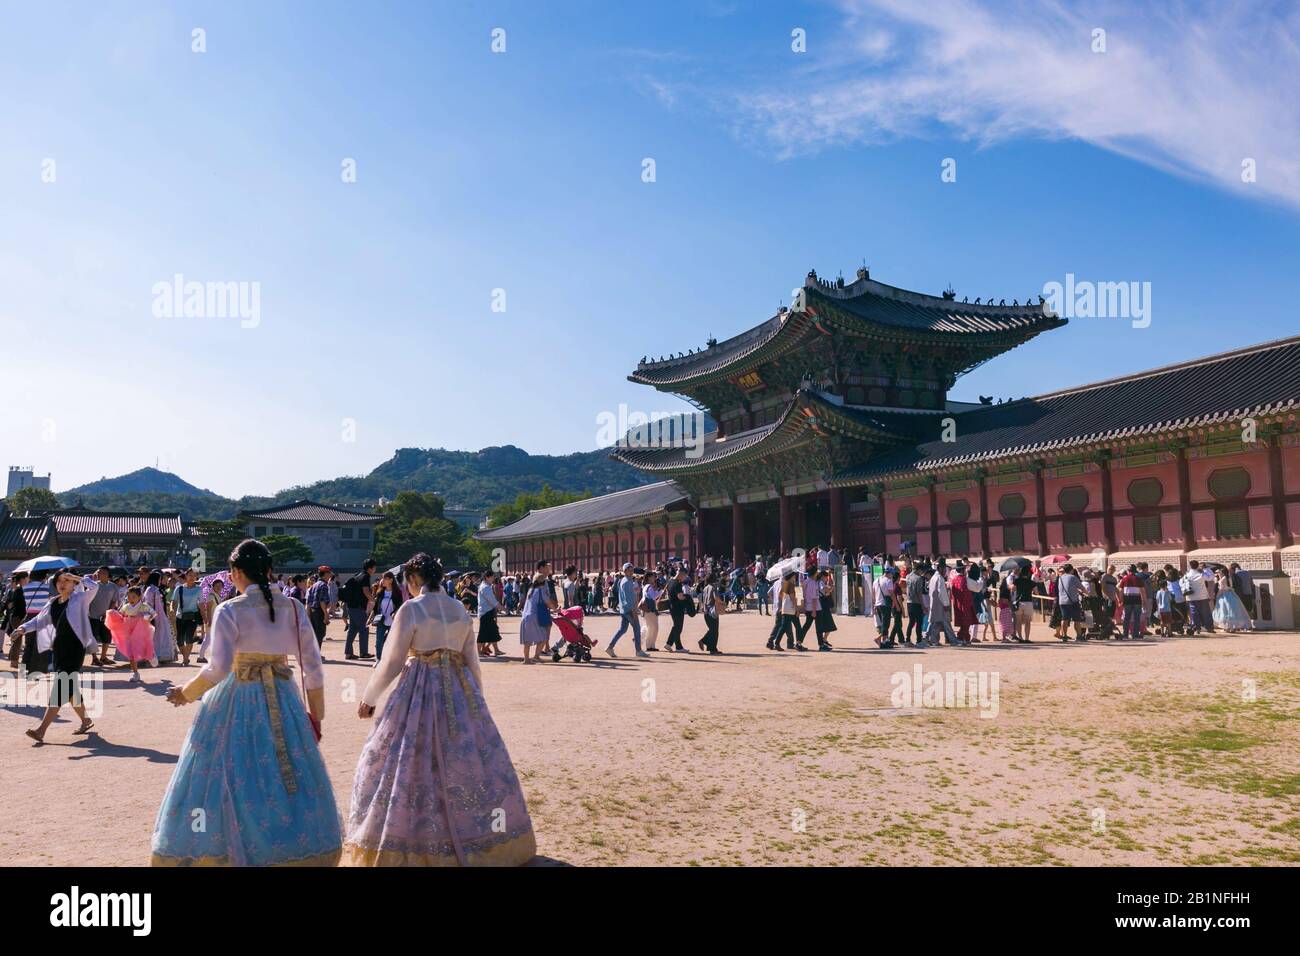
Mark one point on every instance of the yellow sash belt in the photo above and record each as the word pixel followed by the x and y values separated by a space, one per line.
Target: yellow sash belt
pixel 268 668
pixel 444 658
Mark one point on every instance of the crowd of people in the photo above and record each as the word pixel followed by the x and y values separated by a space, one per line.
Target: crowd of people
pixel 251 760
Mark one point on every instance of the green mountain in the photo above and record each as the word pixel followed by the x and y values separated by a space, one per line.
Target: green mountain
pixel 472 480
pixel 144 481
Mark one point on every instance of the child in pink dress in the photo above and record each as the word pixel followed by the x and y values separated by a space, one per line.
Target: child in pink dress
pixel 132 631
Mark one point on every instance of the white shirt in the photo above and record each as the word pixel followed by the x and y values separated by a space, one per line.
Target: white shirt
pixel 487 599
pixel 244 624
pixel 428 622
pixel 939 590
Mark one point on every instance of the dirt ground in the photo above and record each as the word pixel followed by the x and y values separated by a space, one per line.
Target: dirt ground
pixel 1176 752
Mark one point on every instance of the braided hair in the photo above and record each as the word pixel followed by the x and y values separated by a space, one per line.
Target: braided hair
pixel 428 569
pixel 254 559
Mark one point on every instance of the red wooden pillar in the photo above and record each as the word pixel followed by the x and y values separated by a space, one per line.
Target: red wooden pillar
pixel 1185 500
pixel 1281 527
pixel 1107 503
pixel 1040 507
pixel 737 531
pixel 985 548
pixel 787 534
pixel 838 527
pixel 934 516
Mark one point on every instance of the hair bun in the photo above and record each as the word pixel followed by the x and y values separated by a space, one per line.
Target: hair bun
pixel 427 568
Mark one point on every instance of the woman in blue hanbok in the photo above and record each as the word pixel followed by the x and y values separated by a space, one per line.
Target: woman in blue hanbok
pixel 1230 612
pixel 250 787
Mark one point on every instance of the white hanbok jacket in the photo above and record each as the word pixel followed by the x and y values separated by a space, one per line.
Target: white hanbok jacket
pixel 78 616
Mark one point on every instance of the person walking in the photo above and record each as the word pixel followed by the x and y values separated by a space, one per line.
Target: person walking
pixel 251 765
pixel 62 629
pixel 940 607
pixel 1133 593
pixel 107 596
pixel 679 605
pixel 787 613
pixel 357 597
pixel 388 599
pixel 714 605
pixel 914 585
pixel 132 630
pixel 164 639
pixel 651 591
pixel 1198 599
pixel 489 631
pixel 12 613
pixel 629 596
pixel 318 603
pixel 535 623
pixel 1068 588
pixel 434 784
pixel 825 620
pixel 185 601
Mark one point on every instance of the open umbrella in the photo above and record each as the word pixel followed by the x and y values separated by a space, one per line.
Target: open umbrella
pixel 46 562
pixel 1056 559
pixel 1015 564
pixel 207 581
pixel 779 570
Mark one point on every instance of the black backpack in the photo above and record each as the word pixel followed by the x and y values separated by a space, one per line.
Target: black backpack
pixel 352 593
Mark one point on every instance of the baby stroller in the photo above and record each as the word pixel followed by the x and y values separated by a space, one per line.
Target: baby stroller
pixel 573 643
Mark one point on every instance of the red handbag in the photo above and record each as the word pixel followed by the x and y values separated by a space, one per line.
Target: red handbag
pixel 302 672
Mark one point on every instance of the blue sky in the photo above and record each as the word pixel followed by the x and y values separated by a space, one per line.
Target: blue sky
pixel 522 171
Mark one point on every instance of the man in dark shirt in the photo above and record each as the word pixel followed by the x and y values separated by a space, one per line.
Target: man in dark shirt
pixel 356 597
pixel 13 612
pixel 1022 603
pixel 318 603
pixel 678 602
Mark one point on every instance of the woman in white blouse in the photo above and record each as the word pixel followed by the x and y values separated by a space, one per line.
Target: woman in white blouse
pixel 434 785
pixel 251 770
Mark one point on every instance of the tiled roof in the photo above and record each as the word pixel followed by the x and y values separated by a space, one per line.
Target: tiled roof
pixel 866 301
pixel 305 510
pixel 806 411
pixel 879 304
pixel 592 512
pixel 1257 380
pixel 24 534
pixel 84 522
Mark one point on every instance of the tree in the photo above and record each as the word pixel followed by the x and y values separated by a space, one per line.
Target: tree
pixel 32 499
pixel 287 549
pixel 525 502
pixel 414 522
pixel 218 539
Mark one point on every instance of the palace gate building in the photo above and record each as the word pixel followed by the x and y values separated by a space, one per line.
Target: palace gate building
pixel 834 427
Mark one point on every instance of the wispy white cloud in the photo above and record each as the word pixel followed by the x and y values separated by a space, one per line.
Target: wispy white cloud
pixel 1191 90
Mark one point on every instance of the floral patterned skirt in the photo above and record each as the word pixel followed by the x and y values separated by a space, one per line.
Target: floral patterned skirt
pixel 230 803
pixel 434 785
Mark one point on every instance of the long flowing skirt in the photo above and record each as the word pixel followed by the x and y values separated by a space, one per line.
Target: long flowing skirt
pixel 532 631
pixel 133 636
pixel 434 785
pixel 228 803
pixel 164 640
pixel 1230 613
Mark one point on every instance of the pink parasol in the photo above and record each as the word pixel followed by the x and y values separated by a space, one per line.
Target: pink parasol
pixel 1056 559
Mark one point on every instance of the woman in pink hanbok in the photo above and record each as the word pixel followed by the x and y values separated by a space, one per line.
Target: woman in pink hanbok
pixel 434 785
pixel 963 605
